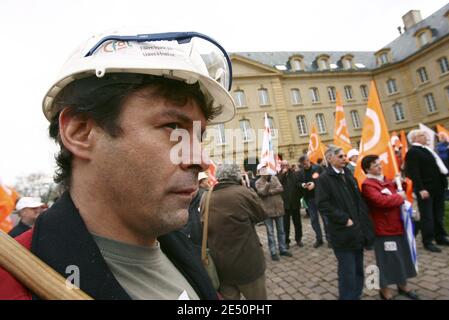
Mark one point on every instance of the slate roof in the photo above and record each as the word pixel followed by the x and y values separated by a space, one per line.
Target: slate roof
pixel 401 48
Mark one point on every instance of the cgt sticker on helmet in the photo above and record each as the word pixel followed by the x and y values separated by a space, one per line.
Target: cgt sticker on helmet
pixel 113 46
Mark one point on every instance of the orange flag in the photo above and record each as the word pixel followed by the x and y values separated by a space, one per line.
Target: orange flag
pixel 8 198
pixel 316 148
pixel 341 133
pixel 375 139
pixel 441 129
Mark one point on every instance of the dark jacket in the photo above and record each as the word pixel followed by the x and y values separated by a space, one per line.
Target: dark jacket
pixel 339 201
pixel 233 240
pixel 19 229
pixel 60 238
pixel 421 167
pixel 193 229
pixel 292 192
pixel 310 175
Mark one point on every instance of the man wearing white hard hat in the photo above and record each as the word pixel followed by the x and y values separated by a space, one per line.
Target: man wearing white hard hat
pixel 193 228
pixel 353 155
pixel 28 210
pixel 117 111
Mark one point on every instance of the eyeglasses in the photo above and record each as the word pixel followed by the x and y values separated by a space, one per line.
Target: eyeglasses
pixel 341 156
pixel 212 54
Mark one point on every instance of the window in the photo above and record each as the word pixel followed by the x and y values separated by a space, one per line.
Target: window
pixel 364 91
pixel 398 110
pixel 302 126
pixel 347 64
pixel 444 65
pixel 430 102
pixel 272 129
pixel 240 100
pixel 245 127
pixel 315 95
pixel 332 93
pixel 263 97
pixel 296 65
pixel 355 119
pixel 321 123
pixel 422 74
pixel 295 96
pixel 323 64
pixel 447 91
pixel 391 86
pixel 383 58
pixel 348 92
pixel 423 39
pixel 221 134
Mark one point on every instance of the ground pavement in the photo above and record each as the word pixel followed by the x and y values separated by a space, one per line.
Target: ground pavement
pixel 311 274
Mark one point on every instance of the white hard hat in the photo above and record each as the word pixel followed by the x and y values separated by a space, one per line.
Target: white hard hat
pixel 186 56
pixel 202 175
pixel 352 152
pixel 28 202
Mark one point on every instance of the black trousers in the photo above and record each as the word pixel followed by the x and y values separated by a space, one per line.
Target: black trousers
pixel 296 217
pixel 432 217
pixel 350 274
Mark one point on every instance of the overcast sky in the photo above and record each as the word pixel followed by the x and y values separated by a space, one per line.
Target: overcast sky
pixel 37 36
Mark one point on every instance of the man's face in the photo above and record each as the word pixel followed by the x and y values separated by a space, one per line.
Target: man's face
pixel 338 160
pixel 422 138
pixel 30 215
pixel 150 192
pixel 306 164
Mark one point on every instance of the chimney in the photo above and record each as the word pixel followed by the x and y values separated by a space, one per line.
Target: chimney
pixel 411 18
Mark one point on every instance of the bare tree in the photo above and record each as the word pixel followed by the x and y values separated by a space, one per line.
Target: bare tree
pixel 37 185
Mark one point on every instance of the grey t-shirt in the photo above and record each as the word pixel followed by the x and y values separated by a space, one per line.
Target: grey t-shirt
pixel 145 273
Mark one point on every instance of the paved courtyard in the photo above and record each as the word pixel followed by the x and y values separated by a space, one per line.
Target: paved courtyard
pixel 312 273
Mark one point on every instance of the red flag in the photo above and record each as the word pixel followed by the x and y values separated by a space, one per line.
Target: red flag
pixel 211 173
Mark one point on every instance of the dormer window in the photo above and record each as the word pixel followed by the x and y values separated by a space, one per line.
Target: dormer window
pixel 347 62
pixel 296 63
pixel 423 36
pixel 323 62
pixel 383 57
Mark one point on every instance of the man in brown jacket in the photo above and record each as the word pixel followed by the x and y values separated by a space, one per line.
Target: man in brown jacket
pixel 234 244
pixel 270 190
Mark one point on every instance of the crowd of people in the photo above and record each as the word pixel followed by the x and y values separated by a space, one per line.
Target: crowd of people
pixel 352 218
pixel 131 217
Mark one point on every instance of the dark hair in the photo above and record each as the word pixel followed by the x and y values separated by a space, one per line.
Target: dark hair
pixel 367 161
pixel 101 100
pixel 303 158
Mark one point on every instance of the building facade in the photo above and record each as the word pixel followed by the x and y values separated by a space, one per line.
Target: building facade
pixel 298 89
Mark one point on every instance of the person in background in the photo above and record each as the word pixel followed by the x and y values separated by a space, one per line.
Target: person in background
pixel 28 210
pixel 429 175
pixel 350 228
pixel 393 255
pixel 270 189
pixel 307 178
pixel 353 155
pixel 234 244
pixel 443 148
pixel 292 202
pixel 193 229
